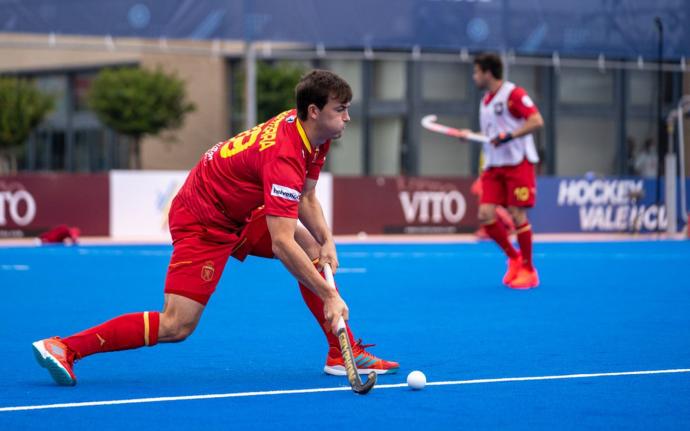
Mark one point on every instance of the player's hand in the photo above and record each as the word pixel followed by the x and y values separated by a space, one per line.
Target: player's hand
pixel 327 254
pixel 501 138
pixel 333 308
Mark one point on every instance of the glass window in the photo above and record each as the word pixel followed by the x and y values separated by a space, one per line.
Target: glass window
pixel 89 150
pixel 585 145
pixel 345 155
pixel 81 154
pixel 444 81
pixel 641 140
pixel 55 85
pixel 50 150
pixel 81 84
pixel 585 86
pixel 526 77
pixel 42 146
pixel 642 88
pixel 390 79
pixel 443 155
pixel 350 71
pixel 122 151
pixel 236 97
pixel 386 143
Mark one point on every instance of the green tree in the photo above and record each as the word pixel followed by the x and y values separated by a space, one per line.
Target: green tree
pixel 137 102
pixel 22 108
pixel 276 88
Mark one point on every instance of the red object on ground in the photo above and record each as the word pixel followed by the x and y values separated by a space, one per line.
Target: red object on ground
pixel 59 234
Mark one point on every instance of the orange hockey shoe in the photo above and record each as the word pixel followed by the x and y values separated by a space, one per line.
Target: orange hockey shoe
pixel 365 361
pixel 514 266
pixel 57 358
pixel 525 279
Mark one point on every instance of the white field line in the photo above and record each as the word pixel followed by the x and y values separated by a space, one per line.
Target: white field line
pixel 336 389
pixel 342 270
pixel 14 267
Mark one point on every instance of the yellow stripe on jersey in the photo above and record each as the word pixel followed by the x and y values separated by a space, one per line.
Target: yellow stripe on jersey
pixel 307 144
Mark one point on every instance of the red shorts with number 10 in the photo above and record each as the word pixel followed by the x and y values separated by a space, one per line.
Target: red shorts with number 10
pixel 200 252
pixel 513 186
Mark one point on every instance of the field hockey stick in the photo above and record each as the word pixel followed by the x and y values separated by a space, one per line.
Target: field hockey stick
pixel 346 349
pixel 429 123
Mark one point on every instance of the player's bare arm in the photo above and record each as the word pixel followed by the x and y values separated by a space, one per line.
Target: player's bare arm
pixel 533 123
pixel 311 215
pixel 285 248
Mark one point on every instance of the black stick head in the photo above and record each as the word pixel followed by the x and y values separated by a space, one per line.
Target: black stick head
pixel 367 386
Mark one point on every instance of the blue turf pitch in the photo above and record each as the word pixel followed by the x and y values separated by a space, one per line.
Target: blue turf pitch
pixel 602 307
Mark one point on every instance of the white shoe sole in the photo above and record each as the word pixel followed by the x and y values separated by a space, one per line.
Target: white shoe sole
pixel 54 367
pixel 339 370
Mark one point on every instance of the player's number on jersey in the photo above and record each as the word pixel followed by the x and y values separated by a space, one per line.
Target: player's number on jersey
pixel 240 142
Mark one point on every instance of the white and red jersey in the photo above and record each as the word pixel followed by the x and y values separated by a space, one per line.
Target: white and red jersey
pixel 505 111
pixel 267 165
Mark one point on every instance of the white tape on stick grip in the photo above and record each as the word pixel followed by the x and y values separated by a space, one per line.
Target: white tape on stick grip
pixel 341 323
pixel 328 272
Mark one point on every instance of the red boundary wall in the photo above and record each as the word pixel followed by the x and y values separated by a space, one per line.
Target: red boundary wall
pixel 33 203
pixel 378 205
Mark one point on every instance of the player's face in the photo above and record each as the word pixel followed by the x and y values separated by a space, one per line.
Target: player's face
pixel 333 118
pixel 481 78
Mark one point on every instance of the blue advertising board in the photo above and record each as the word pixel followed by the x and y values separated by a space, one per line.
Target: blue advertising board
pixel 598 205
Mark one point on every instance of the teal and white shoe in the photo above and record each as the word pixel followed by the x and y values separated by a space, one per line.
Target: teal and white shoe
pixel 53 355
pixel 365 361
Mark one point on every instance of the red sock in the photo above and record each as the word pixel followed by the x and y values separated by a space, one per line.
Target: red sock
pixel 128 331
pixel 524 237
pixel 315 305
pixel 497 232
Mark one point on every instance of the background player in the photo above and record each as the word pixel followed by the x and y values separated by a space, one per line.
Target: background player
pixel 243 197
pixel 509 116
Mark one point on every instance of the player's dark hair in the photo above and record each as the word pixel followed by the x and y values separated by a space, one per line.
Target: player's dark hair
pixel 316 87
pixel 491 63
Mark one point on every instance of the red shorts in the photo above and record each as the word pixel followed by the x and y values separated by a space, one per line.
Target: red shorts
pixel 200 253
pixel 513 186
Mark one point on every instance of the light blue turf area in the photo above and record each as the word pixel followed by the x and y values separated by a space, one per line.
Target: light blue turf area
pixel 602 307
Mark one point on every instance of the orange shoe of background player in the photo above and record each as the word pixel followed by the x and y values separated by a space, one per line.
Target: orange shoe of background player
pixel 514 266
pixel 53 355
pixel 365 361
pixel 525 279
